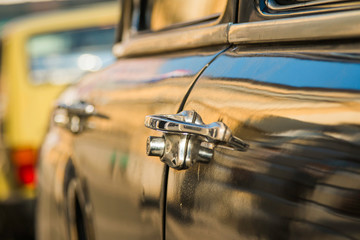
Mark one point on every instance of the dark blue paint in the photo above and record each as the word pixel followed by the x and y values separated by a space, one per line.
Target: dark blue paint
pixel 293 72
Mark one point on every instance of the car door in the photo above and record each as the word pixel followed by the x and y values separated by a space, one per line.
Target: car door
pixel 123 184
pixel 112 189
pixel 291 100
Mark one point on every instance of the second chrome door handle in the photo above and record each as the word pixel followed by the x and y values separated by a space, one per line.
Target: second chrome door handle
pixel 74 117
pixel 81 109
pixel 187 139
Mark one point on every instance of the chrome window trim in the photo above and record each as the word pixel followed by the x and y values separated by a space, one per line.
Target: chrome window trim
pixel 273 5
pixel 303 12
pixel 307 28
pixel 172 41
pixel 339 25
pixel 275 10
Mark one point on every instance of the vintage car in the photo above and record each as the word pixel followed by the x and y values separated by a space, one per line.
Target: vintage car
pixel 41 55
pixel 221 119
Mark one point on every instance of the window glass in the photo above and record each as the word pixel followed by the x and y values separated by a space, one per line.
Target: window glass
pixel 170 12
pixel 63 57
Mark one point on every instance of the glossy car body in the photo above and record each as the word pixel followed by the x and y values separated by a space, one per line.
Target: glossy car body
pixel 282 76
pixel 26 103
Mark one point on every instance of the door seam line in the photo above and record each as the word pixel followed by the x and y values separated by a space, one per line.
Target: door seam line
pixel 164 182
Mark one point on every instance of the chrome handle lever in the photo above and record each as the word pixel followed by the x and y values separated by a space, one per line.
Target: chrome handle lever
pixel 192 135
pixel 81 109
pixel 74 117
pixel 214 132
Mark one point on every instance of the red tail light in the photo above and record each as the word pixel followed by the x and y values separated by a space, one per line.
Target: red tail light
pixel 24 161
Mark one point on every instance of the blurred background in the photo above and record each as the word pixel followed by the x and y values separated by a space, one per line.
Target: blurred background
pixel 44 47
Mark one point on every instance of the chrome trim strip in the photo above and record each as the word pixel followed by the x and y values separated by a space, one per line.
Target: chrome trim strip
pixel 172 41
pixel 318 27
pixel 302 12
pixel 273 5
pixel 307 28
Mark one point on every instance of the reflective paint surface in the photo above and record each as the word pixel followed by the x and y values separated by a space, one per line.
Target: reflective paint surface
pixel 296 104
pixel 290 71
pixel 299 179
pixel 117 185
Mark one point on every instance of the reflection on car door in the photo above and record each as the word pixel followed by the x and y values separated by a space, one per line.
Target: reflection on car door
pixel 299 113
pixel 113 153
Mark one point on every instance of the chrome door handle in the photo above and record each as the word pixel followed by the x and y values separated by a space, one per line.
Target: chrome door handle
pixel 74 117
pixel 213 132
pixel 82 109
pixel 186 133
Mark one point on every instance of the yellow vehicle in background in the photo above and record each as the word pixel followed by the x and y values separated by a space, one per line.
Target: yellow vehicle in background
pixel 40 56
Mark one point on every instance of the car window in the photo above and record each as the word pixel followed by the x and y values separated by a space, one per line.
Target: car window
pixel 167 13
pixel 63 57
